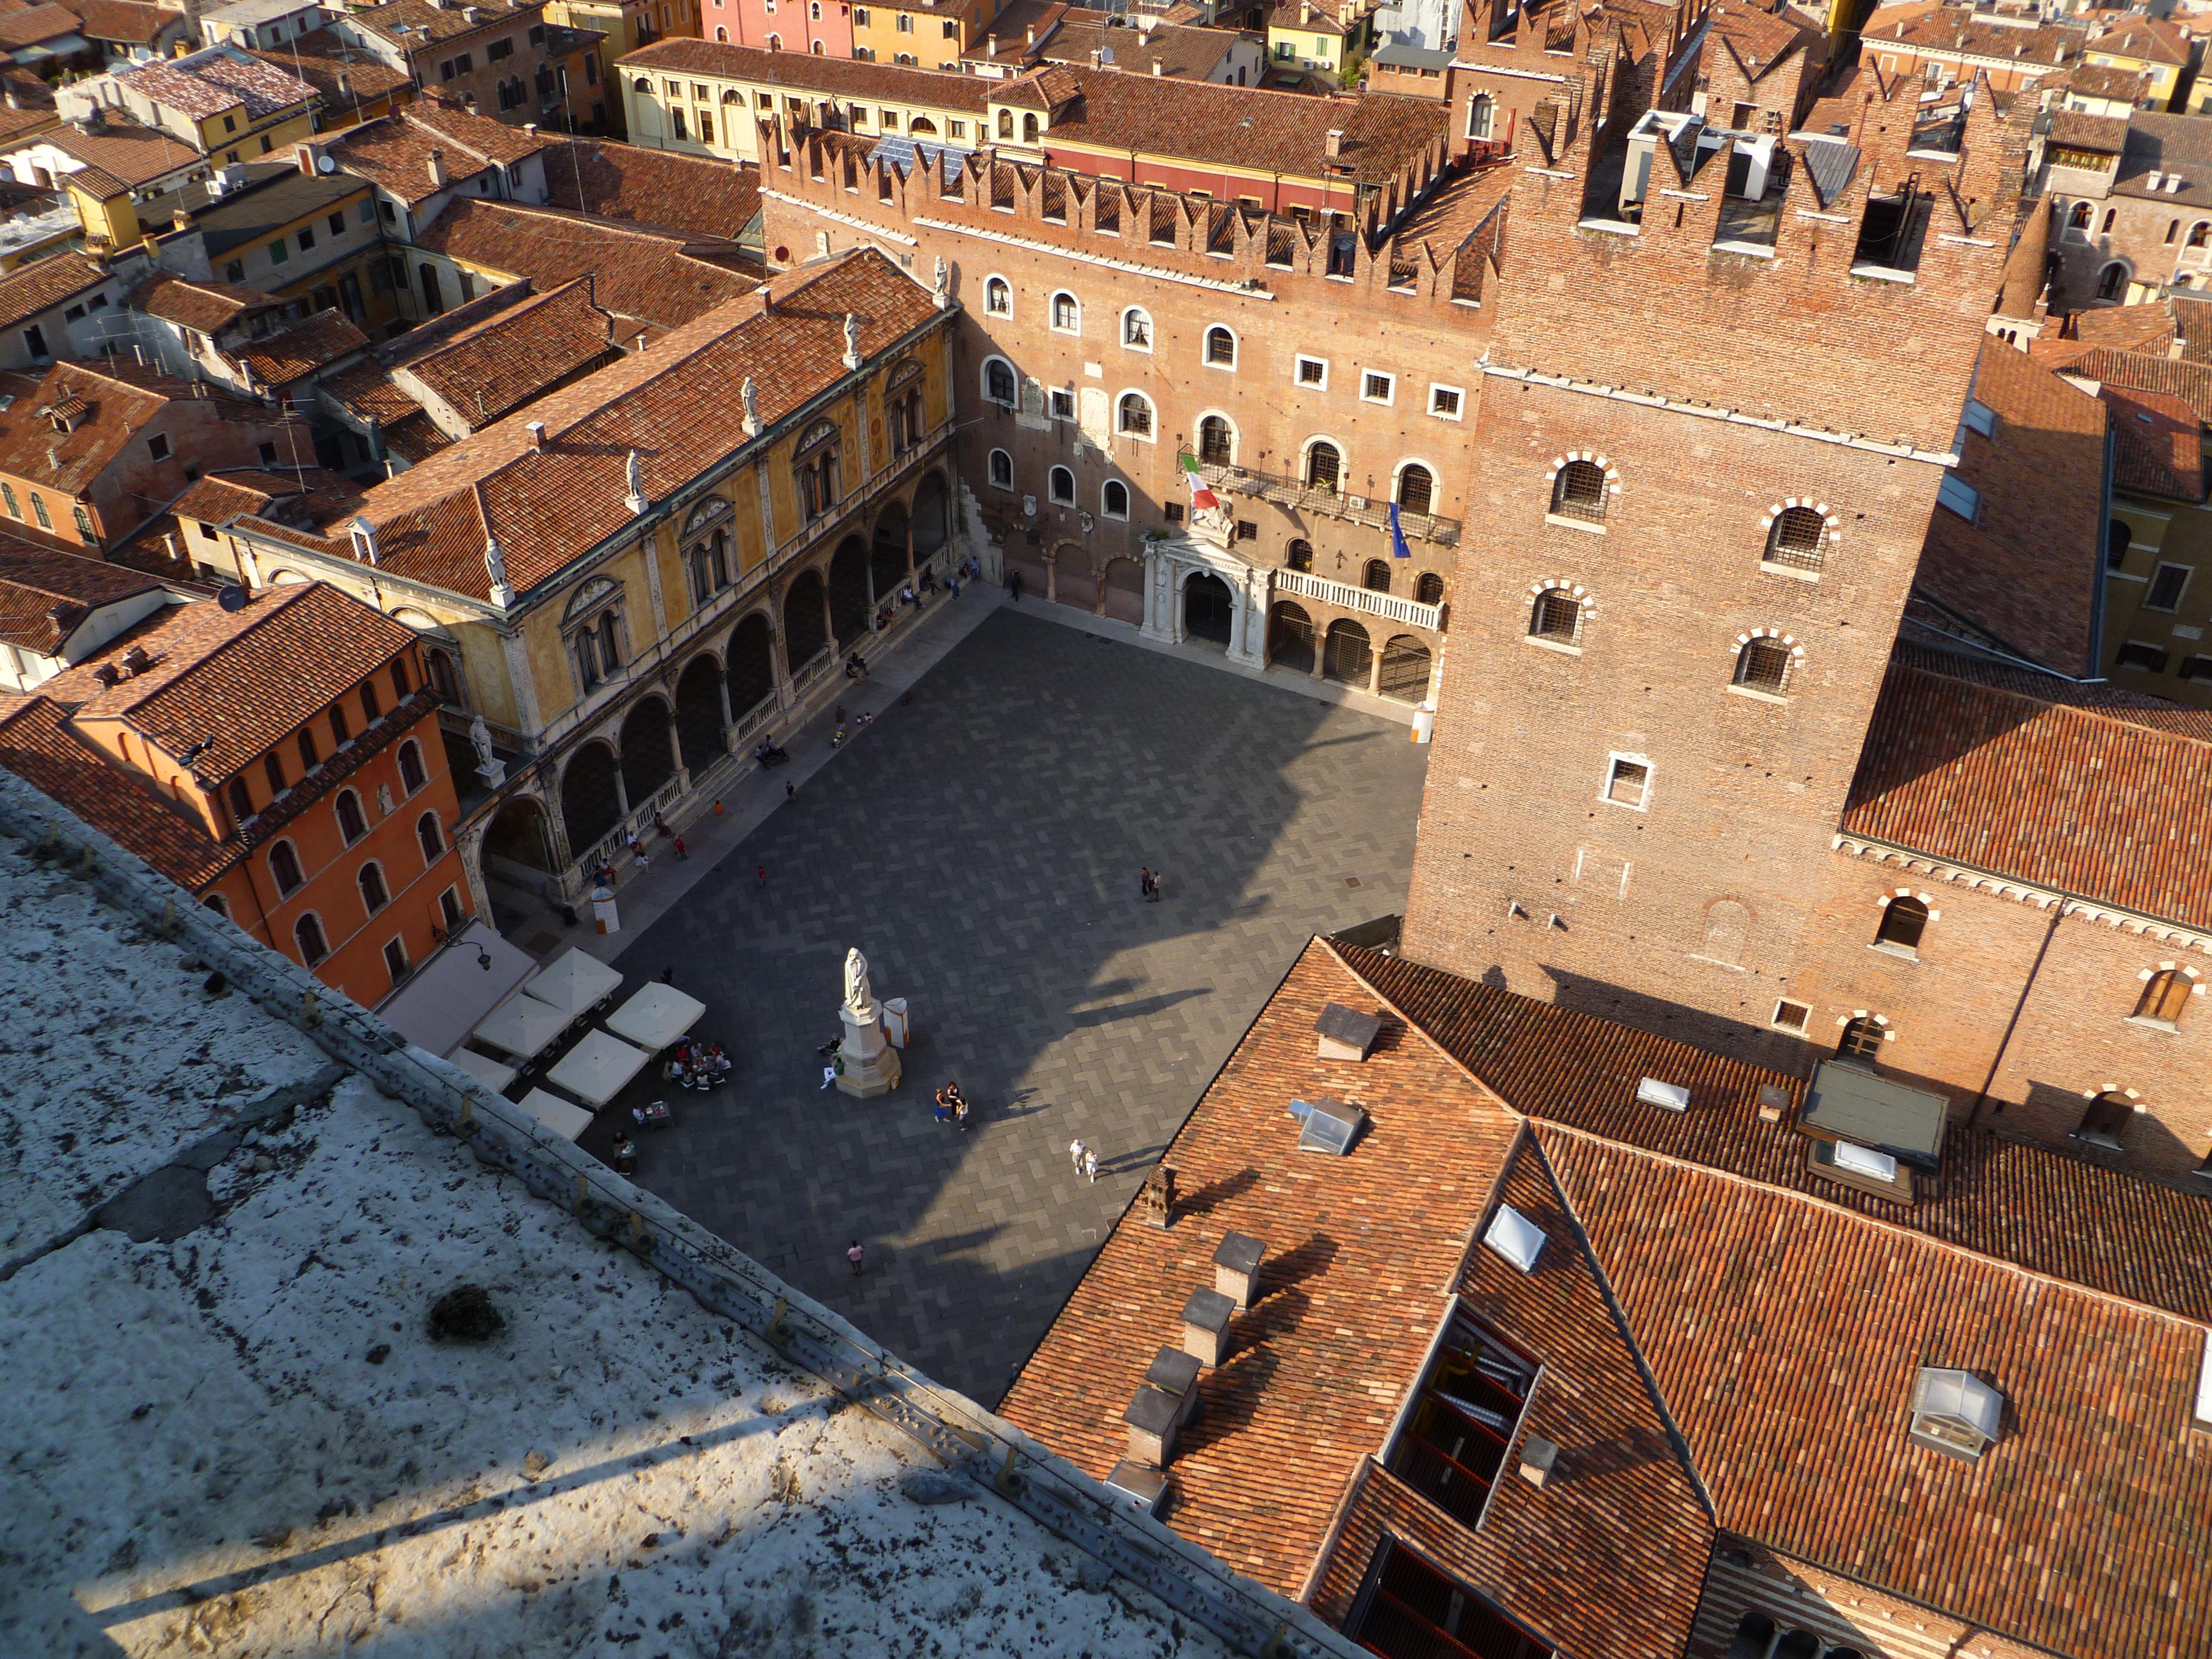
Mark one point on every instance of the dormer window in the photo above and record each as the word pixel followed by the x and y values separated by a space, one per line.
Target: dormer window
pixel 1955 1412
pixel 1465 1414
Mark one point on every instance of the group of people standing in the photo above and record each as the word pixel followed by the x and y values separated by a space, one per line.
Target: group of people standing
pixel 952 1106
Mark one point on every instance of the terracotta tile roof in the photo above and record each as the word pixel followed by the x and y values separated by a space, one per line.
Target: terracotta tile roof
pixel 208 306
pixel 837 77
pixel 413 24
pixel 135 156
pixel 2029 569
pixel 220 497
pixel 1760 39
pixel 1048 86
pixel 36 745
pixel 342 73
pixel 2160 451
pixel 44 284
pixel 247 678
pixel 2167 145
pixel 1182 51
pixel 301 349
pixel 507 360
pixel 450 125
pixel 1359 1250
pixel 2088 800
pixel 1605 1562
pixel 394 151
pixel 130 22
pixel 119 398
pixel 2106 80
pixel 2101 135
pixel 214 79
pixel 44 595
pixel 661 189
pixel 1954 31
pixel 1786 1334
pixel 671 403
pixel 2145 39
pixel 639 274
pixel 33 24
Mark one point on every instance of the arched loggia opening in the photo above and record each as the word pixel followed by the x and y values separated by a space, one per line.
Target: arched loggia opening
pixel 698 714
pixel 887 556
pixel 849 590
pixel 590 808
pixel 649 759
pixel 752 662
pixel 805 631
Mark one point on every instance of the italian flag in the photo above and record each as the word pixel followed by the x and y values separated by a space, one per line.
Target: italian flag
pixel 1202 499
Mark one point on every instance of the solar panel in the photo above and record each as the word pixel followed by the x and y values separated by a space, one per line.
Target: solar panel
pixel 1330 1128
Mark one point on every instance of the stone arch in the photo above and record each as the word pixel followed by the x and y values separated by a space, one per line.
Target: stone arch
pixel 805 629
pixel 849 590
pixel 887 553
pixel 1405 673
pixel 1290 638
pixel 1209 608
pixel 752 662
pixel 699 725
pixel 932 516
pixel 519 839
pixel 648 758
pixel 590 805
pixel 1347 656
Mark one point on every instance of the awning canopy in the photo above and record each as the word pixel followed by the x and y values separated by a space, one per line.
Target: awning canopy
pixel 562 1117
pixel 656 1017
pixel 445 999
pixel 599 1068
pixel 484 1069
pixel 575 982
pixel 522 1026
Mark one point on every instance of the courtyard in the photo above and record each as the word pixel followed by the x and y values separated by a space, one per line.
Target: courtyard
pixel 981 845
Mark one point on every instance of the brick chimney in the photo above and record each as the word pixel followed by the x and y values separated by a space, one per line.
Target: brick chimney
pixel 1332 144
pixel 438 166
pixel 1159 66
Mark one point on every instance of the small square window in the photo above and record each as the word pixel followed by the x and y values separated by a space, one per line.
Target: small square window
pixel 1444 402
pixel 279 252
pixel 158 446
pixel 1791 1017
pixel 1313 372
pixel 1247 531
pixel 1173 512
pixel 337 224
pixel 1628 782
pixel 1063 405
pixel 2167 587
pixel 307 237
pixel 1377 388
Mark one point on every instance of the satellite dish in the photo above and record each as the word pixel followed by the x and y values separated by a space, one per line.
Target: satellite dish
pixel 326 164
pixel 233 597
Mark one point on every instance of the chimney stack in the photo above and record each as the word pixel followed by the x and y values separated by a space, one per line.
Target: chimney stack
pixel 1237 1268
pixel 1332 144
pixel 1160 67
pixel 1097 58
pixel 438 166
pixel 1205 1327
pixel 1029 35
pixel 536 430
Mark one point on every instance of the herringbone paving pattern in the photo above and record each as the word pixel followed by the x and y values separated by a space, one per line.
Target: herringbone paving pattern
pixel 981 846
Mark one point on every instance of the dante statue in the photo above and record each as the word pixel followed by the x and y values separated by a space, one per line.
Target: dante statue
pixel 858 996
pixel 480 740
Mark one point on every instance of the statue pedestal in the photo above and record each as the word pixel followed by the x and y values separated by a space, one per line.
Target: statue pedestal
pixel 493 774
pixel 867 1065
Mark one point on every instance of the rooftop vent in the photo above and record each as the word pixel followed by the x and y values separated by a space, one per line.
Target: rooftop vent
pixel 137 660
pixel 106 673
pixel 1205 1327
pixel 1955 1412
pixel 1515 1237
pixel 1345 1033
pixel 1538 1458
pixel 1144 1489
pixel 1331 1125
pixel 1773 1101
pixel 1673 1097
pixel 1176 1372
pixel 1237 1268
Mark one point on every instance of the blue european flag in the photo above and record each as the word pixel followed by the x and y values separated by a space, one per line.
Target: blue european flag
pixel 1398 547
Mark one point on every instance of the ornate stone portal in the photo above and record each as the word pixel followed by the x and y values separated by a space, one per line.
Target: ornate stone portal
pixel 867 1065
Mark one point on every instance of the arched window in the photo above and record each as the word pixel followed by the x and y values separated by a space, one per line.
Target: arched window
pixel 374 893
pixel 412 776
pixel 1862 1041
pixel 216 903
pixel 1430 589
pixel 642 84
pixel 775 43
pixel 998 297
pixel 2111 215
pixel 1066 313
pixel 284 867
pixel 1417 489
pixel 709 560
pixel 427 832
pixel 1324 465
pixel 2105 1121
pixel 1217 440
pixel 1220 347
pixel 1134 416
pixel 309 760
pixel 2165 994
pixel 1579 491
pixel 401 686
pixel 1298 556
pixel 816 463
pixel 721 37
pixel 1558 616
pixel 352 823
pixel 1114 498
pixel 2113 282
pixel 1376 577
pixel 1763 665
pixel 1796 539
pixel 242 800
pixel 1002 469
pixel 1029 128
pixel 1903 920
pixel 1006 123
pixel 2199 232
pixel 2079 219
pixel 2172 229
pixel 999 382
pixel 307 934
pixel 1061 487
pixel 1137 329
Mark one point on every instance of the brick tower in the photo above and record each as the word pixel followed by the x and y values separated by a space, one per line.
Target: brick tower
pixel 1728 368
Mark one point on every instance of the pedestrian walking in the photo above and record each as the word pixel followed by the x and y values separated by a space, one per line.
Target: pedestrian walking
pixel 1075 1151
pixel 960 1112
pixel 1152 887
pixel 1091 1164
pixel 643 862
pixel 676 842
pixel 631 841
pixel 944 1108
pixel 1144 883
pixel 857 1256
pixel 790 790
pixel 760 878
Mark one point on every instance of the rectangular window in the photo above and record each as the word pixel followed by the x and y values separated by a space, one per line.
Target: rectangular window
pixel 537 34
pixel 1377 388
pixel 462 65
pixel 1981 417
pixel 956 129
pixel 891 118
pixel 2167 587
pixel 158 446
pixel 2135 654
pixel 74 314
pixel 1313 372
pixel 279 252
pixel 499 49
pixel 2196 668
pixel 307 237
pixel 34 339
pixel 1961 497
pixel 1063 405
pixel 336 222
pixel 1173 512
pixel 1628 782
pixel 446 70
pixel 395 958
pixel 676 123
pixel 449 907
pixel 1444 402
pixel 1790 1017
